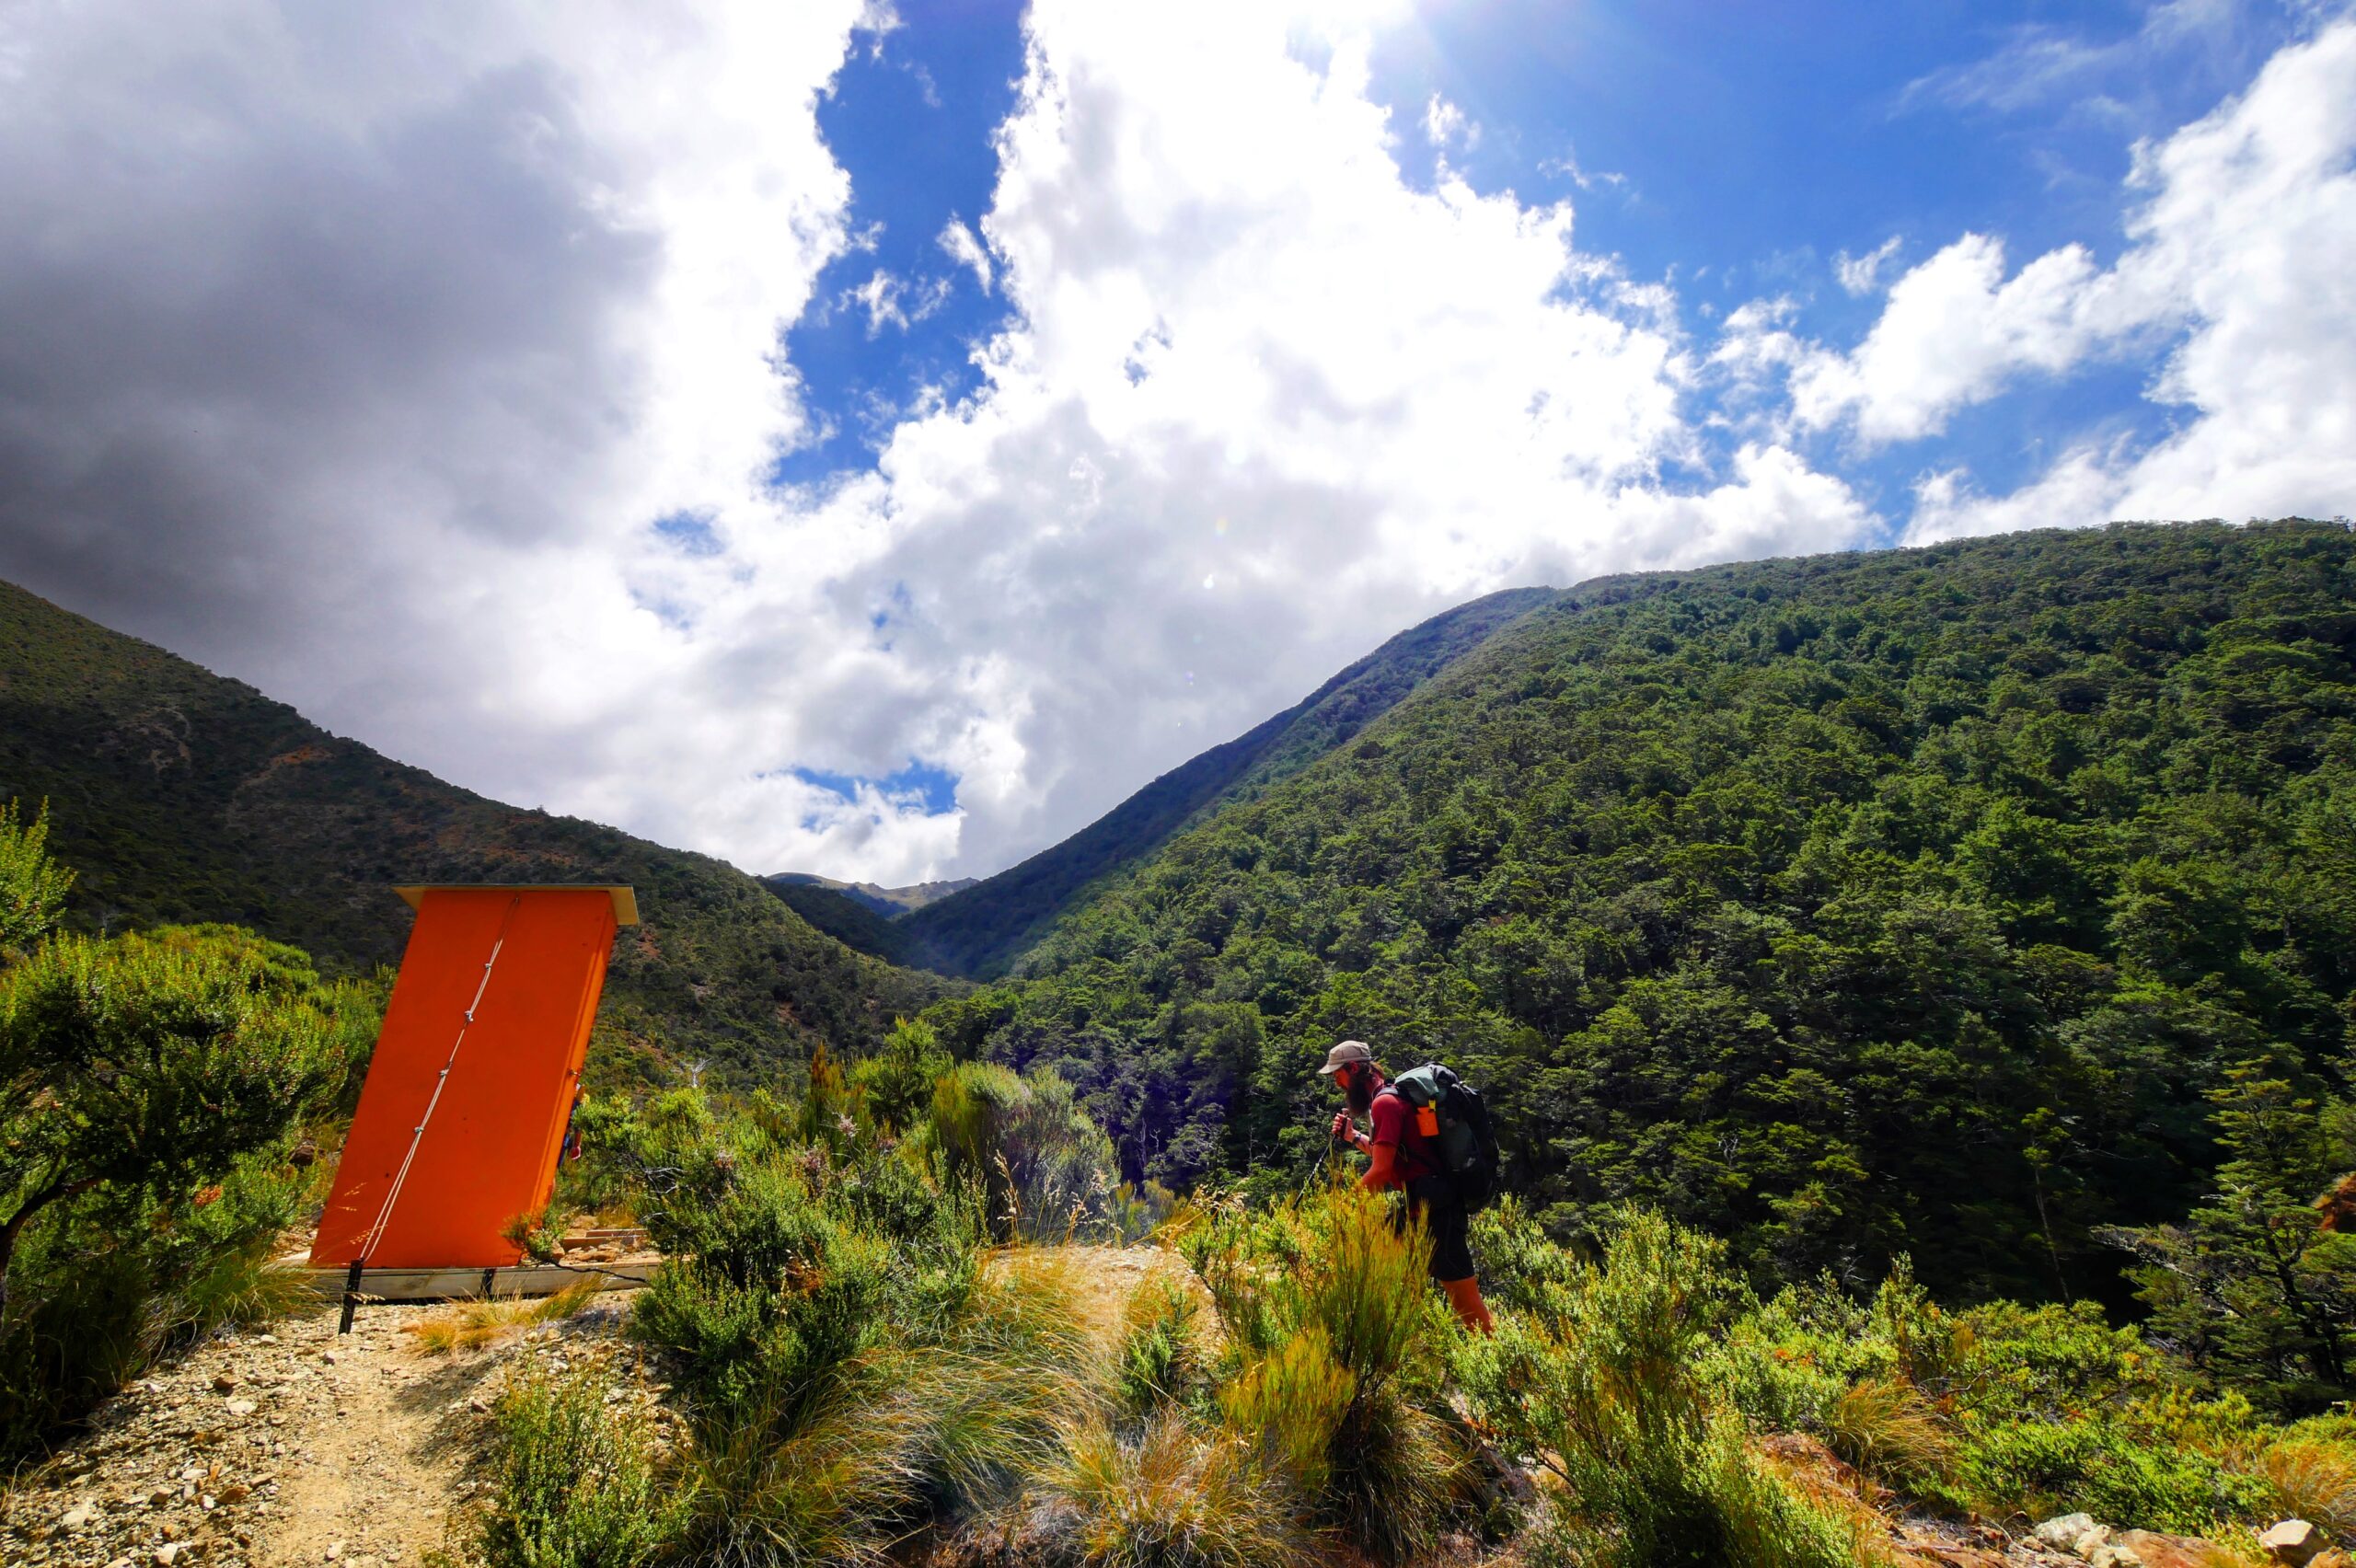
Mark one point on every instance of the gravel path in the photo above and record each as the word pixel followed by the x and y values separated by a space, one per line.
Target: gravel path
pixel 274 1450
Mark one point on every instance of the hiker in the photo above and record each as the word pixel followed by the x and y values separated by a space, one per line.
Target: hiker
pixel 1400 1153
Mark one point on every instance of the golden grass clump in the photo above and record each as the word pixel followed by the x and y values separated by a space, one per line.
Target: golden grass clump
pixel 470 1325
pixel 2312 1481
pixel 1173 1497
pixel 1885 1428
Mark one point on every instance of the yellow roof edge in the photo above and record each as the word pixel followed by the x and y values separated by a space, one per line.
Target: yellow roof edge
pixel 625 898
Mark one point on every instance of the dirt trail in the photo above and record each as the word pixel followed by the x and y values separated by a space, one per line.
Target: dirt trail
pixel 294 1447
pixel 298 1446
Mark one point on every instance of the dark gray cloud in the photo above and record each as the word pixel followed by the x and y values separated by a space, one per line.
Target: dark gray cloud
pixel 360 355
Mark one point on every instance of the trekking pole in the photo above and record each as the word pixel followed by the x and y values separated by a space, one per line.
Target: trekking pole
pixel 1323 1174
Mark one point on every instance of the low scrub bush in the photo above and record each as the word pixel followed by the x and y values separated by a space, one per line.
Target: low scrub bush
pixel 2106 1469
pixel 1603 1388
pixel 572 1485
pixel 1160 1361
pixel 768 1292
pixel 78 1328
pixel 151 1088
pixel 1522 1266
pixel 1044 1169
pixel 1337 1342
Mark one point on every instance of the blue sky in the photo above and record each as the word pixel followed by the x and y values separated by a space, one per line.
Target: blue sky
pixel 874 440
pixel 1734 151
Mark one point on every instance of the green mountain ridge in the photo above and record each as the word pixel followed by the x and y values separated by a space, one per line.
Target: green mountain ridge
pixel 981 931
pixel 181 796
pixel 855 923
pixel 1901 902
pixel 890 903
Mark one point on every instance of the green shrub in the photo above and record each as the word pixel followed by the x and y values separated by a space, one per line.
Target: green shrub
pixel 2047 1362
pixel 149 1088
pixel 1522 1266
pixel 1044 1169
pixel 77 1327
pixel 1329 1280
pixel 32 886
pixel 2098 1465
pixel 1159 1361
pixel 1604 1389
pixel 573 1484
pixel 897 1081
pixel 767 1294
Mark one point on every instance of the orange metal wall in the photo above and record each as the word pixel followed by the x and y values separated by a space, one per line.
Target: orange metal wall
pixel 490 1151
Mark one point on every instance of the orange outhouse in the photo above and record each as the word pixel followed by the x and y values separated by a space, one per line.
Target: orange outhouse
pixel 474 1076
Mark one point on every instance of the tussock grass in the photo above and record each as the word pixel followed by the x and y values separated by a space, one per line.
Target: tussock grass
pixel 995 1393
pixel 246 1289
pixel 1175 1496
pixel 1887 1429
pixel 897 1434
pixel 2312 1481
pixel 828 1491
pixel 470 1325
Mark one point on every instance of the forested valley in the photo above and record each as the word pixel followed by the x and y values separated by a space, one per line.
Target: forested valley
pixel 1916 902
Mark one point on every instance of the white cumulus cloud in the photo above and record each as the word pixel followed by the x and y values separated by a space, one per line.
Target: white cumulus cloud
pixel 360 355
pixel 2239 247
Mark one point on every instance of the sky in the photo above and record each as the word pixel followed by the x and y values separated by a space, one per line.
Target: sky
pixel 874 438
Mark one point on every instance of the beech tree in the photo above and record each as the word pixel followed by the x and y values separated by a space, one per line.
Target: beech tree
pixel 155 1061
pixel 2257 1286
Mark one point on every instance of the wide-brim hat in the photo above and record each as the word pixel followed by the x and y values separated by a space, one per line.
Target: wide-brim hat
pixel 1342 1055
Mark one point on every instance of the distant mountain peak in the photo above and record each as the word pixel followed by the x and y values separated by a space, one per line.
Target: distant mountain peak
pixel 888 901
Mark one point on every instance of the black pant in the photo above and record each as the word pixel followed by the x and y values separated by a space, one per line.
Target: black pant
pixel 1433 1199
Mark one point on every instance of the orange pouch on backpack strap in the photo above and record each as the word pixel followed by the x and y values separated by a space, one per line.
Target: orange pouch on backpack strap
pixel 1428 1120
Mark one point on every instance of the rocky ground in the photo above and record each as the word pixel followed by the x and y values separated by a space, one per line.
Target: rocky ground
pixel 294 1447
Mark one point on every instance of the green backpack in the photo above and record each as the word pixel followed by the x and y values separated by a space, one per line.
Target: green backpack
pixel 1468 1140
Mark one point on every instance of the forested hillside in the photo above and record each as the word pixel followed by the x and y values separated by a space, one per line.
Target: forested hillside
pixel 1850 906
pixel 179 796
pixel 981 931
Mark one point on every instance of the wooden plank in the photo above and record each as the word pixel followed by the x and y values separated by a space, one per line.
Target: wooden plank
pixel 454 1284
